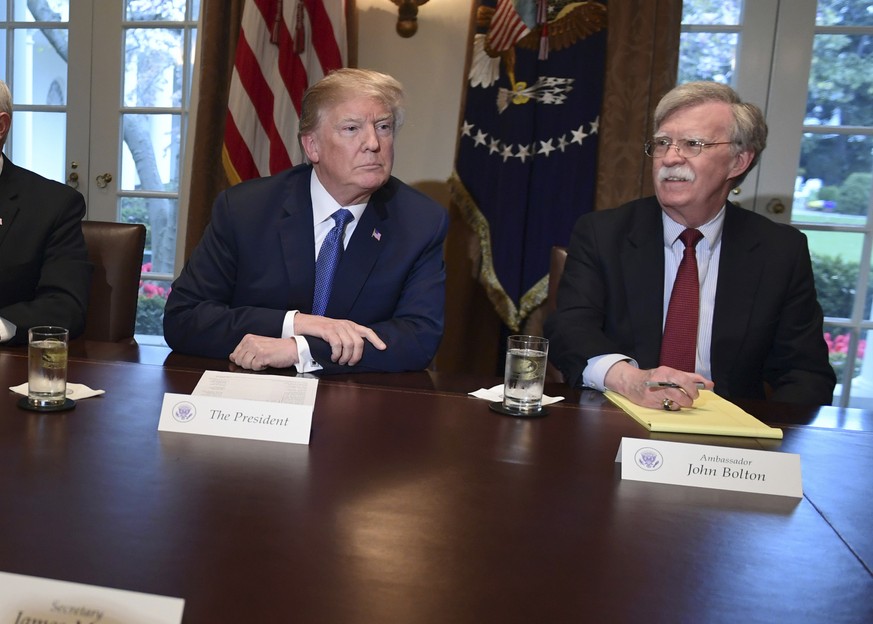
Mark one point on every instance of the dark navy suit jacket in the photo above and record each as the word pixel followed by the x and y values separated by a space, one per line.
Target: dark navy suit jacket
pixel 256 261
pixel 45 275
pixel 767 323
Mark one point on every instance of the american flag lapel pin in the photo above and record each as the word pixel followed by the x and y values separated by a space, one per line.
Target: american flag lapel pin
pixel 376 234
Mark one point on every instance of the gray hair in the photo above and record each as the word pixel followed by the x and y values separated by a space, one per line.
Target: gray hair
pixel 5 99
pixel 5 107
pixel 346 83
pixel 749 130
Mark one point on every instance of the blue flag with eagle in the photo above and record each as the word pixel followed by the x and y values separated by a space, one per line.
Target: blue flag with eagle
pixel 527 153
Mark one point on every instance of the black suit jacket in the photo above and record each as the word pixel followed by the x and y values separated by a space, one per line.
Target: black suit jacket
pixel 767 324
pixel 45 275
pixel 257 260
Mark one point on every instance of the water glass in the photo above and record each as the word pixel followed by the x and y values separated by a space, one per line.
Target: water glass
pixel 525 374
pixel 47 366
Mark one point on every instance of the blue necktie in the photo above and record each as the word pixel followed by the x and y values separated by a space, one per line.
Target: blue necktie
pixel 328 260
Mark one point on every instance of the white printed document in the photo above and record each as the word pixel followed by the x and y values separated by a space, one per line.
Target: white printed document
pixel 270 388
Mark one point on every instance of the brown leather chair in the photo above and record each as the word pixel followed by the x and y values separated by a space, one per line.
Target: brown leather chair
pixel 556 269
pixel 115 250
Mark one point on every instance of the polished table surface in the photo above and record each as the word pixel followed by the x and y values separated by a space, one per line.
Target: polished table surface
pixel 415 503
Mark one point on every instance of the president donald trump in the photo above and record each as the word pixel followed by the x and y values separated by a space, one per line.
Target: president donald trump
pixel 330 266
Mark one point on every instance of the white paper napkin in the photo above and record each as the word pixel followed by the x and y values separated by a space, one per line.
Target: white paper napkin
pixel 495 393
pixel 74 391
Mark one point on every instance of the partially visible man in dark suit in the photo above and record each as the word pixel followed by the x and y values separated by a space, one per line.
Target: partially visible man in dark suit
pixel 45 274
pixel 249 289
pixel 758 320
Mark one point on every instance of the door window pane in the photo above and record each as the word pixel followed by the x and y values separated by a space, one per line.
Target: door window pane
pixel 151 159
pixel 153 67
pixel 157 214
pixel 709 40
pixel 707 56
pixel 150 307
pixel 844 13
pixel 836 258
pixel 834 180
pixel 44 11
pixel 841 81
pixel 39 142
pixel 155 10
pixel 840 343
pixel 40 66
pixel 712 12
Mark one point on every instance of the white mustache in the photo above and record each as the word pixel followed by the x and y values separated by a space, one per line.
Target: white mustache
pixel 680 172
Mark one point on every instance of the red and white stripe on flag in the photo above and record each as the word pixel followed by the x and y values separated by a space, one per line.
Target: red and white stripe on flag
pixel 284 46
pixel 507 26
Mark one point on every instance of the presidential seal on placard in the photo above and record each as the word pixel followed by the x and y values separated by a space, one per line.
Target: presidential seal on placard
pixel 184 411
pixel 648 459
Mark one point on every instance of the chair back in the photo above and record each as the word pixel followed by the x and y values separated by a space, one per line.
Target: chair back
pixel 115 250
pixel 556 269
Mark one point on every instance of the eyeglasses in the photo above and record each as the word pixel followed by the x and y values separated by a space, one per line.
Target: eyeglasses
pixel 687 148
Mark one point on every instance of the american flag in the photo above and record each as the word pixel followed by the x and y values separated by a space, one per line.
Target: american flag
pixel 284 46
pixel 527 151
pixel 507 26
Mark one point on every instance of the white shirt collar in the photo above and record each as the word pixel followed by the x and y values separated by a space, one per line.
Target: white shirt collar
pixel 324 205
pixel 711 230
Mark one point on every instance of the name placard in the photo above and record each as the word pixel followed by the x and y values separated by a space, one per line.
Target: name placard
pixel 236 418
pixel 715 467
pixel 30 600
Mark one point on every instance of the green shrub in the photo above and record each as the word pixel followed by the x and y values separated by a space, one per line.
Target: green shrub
pixel 854 194
pixel 150 316
pixel 828 193
pixel 835 281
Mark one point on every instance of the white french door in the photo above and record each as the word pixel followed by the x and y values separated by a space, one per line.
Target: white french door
pixel 101 92
pixel 807 64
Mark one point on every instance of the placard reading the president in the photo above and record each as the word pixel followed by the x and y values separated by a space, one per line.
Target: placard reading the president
pixel 32 600
pixel 716 467
pixel 240 405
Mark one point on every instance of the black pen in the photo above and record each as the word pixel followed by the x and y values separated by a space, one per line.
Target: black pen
pixel 670 384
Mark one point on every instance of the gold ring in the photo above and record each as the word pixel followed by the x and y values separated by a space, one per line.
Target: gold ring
pixel 668 404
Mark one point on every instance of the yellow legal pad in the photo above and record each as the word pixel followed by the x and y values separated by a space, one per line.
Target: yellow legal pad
pixel 711 415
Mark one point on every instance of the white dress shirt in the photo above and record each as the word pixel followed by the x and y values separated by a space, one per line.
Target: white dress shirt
pixel 323 206
pixel 708 251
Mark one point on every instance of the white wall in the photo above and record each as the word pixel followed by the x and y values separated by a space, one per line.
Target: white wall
pixel 430 65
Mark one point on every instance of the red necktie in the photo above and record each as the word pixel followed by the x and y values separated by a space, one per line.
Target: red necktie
pixel 679 343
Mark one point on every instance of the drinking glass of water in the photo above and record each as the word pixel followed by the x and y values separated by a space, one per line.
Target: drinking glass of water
pixel 47 366
pixel 525 374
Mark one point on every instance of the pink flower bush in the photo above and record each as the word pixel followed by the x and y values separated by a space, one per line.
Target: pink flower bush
pixel 148 290
pixel 153 290
pixel 840 344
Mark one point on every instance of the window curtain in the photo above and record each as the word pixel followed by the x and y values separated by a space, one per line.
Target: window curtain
pixel 641 66
pixel 219 30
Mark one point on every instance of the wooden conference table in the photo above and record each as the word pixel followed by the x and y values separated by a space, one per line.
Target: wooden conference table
pixel 415 503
